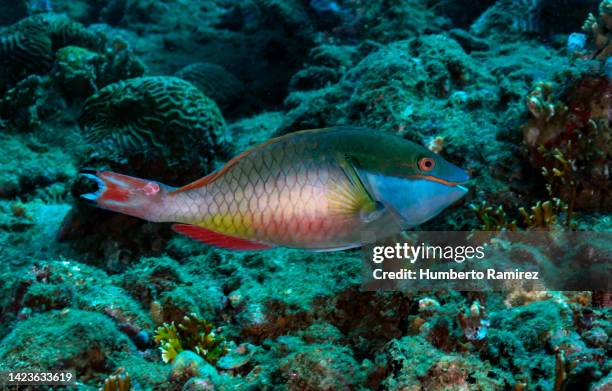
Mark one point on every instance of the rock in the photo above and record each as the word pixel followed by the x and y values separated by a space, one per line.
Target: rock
pixel 237 357
pixel 203 298
pixel 25 166
pixel 533 323
pixel 186 365
pixel 198 384
pixel 215 82
pixel 321 367
pixel 576 42
pixel 248 132
pixel 596 337
pixel 322 333
pixel 194 372
pixel 151 277
pixel 81 340
pixel 43 297
pixel 416 364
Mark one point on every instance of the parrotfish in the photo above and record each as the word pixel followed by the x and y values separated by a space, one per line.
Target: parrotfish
pixel 323 189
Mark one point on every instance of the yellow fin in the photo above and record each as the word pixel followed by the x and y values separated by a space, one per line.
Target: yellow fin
pixel 352 198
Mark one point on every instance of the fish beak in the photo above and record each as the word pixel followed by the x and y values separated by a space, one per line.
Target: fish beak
pixel 416 200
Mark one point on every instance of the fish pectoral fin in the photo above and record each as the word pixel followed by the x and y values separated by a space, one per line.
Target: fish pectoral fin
pixel 352 197
pixel 217 239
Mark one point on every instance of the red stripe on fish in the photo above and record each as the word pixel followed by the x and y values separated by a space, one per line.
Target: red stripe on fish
pixel 217 239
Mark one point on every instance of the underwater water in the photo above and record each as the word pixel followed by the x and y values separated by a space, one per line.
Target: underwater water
pixel 437 116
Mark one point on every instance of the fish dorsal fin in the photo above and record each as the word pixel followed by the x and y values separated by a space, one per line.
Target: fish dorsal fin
pixel 352 197
pixel 218 240
pixel 211 177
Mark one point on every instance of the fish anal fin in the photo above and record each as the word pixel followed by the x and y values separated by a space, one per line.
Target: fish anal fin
pixel 216 239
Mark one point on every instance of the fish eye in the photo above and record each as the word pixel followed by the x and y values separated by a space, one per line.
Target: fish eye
pixel 426 164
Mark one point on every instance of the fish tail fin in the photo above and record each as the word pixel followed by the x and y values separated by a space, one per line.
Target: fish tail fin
pixel 125 194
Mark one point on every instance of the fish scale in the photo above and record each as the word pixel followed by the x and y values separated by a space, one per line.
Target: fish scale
pixel 261 192
pixel 323 189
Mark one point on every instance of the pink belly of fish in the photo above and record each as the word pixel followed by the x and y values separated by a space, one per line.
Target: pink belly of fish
pixel 298 217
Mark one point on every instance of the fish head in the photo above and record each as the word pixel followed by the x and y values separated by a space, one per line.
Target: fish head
pixel 415 183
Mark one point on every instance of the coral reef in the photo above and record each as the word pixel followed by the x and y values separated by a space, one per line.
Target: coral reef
pixel 414 358
pixel 517 19
pixel 386 22
pixel 27 166
pixel 186 365
pixel 163 120
pixel 599 29
pixel 568 139
pixel 541 216
pixel 29 46
pixel 321 367
pixel 513 15
pixel 81 72
pixel 27 105
pixel 381 91
pixel 473 322
pixel 72 342
pixel 168 89
pixel 215 82
pixel 492 219
pixel 50 62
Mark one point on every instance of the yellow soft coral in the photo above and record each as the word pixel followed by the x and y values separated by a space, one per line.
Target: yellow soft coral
pixel 540 217
pixel 192 333
pixel 492 219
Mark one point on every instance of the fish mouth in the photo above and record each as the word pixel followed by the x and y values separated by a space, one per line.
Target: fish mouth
pixel 92 179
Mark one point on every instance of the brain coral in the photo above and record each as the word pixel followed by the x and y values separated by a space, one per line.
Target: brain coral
pixel 63 32
pixel 214 81
pixel 29 46
pixel 153 118
pixel 26 45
